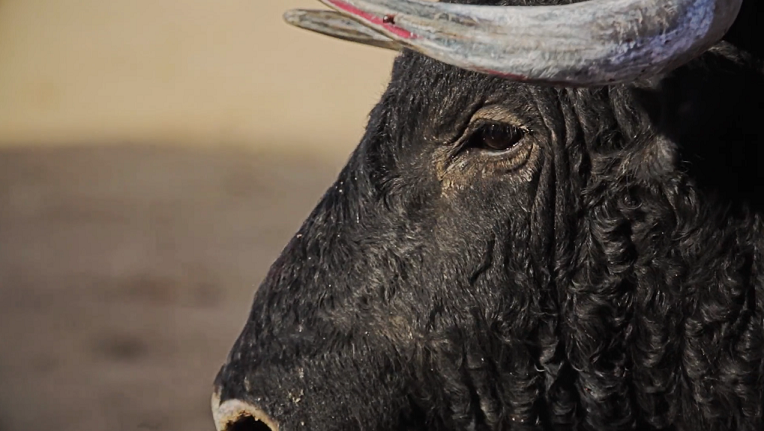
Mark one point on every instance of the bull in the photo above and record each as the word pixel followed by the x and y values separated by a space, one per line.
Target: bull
pixel 552 222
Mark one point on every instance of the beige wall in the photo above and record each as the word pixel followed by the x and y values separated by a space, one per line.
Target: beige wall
pixel 197 72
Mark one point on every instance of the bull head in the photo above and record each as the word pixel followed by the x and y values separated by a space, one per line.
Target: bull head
pixel 500 252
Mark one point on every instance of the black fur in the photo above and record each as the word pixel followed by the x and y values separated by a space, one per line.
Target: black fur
pixel 618 285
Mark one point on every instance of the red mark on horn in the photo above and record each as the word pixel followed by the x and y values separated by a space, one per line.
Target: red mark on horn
pixel 387 22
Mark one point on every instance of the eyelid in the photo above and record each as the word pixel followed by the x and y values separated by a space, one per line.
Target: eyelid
pixel 496 114
pixel 480 123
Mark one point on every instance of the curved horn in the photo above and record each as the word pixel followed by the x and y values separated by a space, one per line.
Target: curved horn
pixel 334 24
pixel 597 42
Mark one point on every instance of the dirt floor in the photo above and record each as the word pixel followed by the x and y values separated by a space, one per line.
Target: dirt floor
pixel 127 272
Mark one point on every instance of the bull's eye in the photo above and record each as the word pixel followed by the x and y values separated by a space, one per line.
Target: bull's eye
pixel 495 137
pixel 494 142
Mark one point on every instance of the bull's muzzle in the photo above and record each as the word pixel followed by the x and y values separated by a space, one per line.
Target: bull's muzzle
pixel 237 415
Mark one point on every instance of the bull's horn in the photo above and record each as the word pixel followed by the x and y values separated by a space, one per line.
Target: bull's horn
pixel 334 24
pixel 597 42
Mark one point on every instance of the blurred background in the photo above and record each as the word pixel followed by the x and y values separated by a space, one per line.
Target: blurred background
pixel 154 159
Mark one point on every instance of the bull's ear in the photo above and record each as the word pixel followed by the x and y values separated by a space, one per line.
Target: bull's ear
pixel 331 23
pixel 237 415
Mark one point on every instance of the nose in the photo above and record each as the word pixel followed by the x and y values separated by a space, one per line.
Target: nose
pixel 238 415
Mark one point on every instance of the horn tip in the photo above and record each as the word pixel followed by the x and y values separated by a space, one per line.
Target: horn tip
pixel 293 16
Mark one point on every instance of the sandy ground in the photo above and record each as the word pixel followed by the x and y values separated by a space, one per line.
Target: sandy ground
pixel 127 272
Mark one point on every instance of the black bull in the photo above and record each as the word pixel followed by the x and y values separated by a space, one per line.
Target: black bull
pixel 499 255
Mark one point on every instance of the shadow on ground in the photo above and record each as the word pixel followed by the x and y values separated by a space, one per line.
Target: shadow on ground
pixel 126 274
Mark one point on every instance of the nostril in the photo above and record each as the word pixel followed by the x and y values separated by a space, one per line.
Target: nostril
pixel 236 415
pixel 248 423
